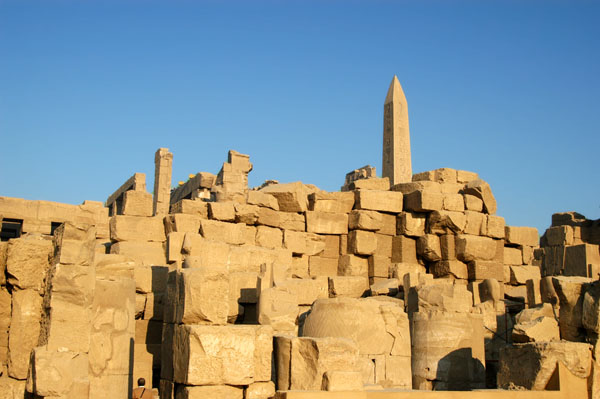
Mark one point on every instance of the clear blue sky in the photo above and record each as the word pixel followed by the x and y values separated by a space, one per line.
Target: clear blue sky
pixel 509 89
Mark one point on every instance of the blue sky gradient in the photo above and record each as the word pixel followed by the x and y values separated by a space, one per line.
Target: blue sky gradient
pixel 509 89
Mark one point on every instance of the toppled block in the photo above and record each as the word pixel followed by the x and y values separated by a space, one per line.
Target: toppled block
pixel 291 197
pixel 428 247
pixel 482 190
pixel 571 291
pixel 541 329
pixel 444 222
pixel 326 222
pixel 262 199
pixel 522 236
pixel 383 201
pixel 531 365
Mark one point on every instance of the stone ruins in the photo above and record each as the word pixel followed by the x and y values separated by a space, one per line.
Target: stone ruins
pixel 393 286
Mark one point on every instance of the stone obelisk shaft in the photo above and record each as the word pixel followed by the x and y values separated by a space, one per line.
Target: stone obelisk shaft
pixel 396 137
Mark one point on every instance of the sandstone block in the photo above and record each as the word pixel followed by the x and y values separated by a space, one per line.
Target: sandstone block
pixel 269 217
pixel 362 242
pixel 582 260
pixel 246 213
pixel 531 365
pixel 319 266
pixel 411 224
pixel 385 287
pixel 348 286
pixel 133 228
pixel 476 223
pixel 299 268
pixel 260 390
pixel 428 247
pixel 482 190
pixel 74 244
pixel 448 246
pixel 137 203
pixel 398 371
pixel 372 183
pixel 326 222
pixel 311 358
pixel 513 256
pixel 332 246
pixel 306 290
pixel 144 253
pixel 206 251
pixel 262 199
pixel 230 233
pixel 591 308
pixel 452 268
pixel 520 274
pixel 292 221
pixel 58 373
pixel 24 331
pixel 27 261
pixel 150 278
pixel 423 201
pixel 203 295
pixel 447 297
pixel 463 176
pixel 542 329
pixel 522 236
pixel 336 202
pixel 421 185
pixel 454 202
pixel 191 207
pixel 469 248
pixel 278 307
pixel 269 237
pixel 292 197
pixel 559 235
pixel 214 355
pixel 473 203
pixel 404 250
pixel 365 220
pixel 444 222
pixel 223 211
pixel 379 266
pixel 384 201
pixel 351 265
pixel 384 245
pixel 342 381
pixel 570 292
pixel 182 223
pixel 482 270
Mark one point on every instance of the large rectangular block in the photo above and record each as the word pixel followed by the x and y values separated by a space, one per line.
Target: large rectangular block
pixel 182 223
pixel 481 270
pixel 326 222
pixel 134 228
pixel 137 203
pixel 404 249
pixel 203 294
pixel 522 236
pixel 362 242
pixel 351 265
pixel 269 237
pixel 214 355
pixel 24 331
pixel 306 290
pixel 337 202
pixel 582 260
pixel 559 235
pixel 365 220
pixel 384 201
pixel 319 266
pixel 513 256
pixel 423 201
pixel 27 261
pixel 379 266
pixel 411 224
pixel 469 248
pixel 292 221
pixel 142 252
pixel 384 245
pixel 191 207
pixel 230 233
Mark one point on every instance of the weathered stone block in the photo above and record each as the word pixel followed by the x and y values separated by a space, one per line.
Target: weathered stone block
pixel 482 270
pixel 230 233
pixel 182 223
pixel 454 202
pixel 332 246
pixel 326 222
pixel 384 201
pixel 269 237
pixel 520 274
pixel 428 247
pixel 448 246
pixel 203 294
pixel 476 223
pixel 453 268
pixel 404 249
pixel 522 235
pixel 24 331
pixel 582 260
pixel 570 292
pixel 144 253
pixel 350 265
pixel 27 261
pixel 223 211
pixel 337 202
pixel 365 220
pixel 411 224
pixel 473 203
pixel 444 222
pixel 513 256
pixel 362 242
pixel 423 201
pixel 269 217
pixel 469 248
pixel 379 266
pixel 348 286
pixel 133 228
pixel 262 199
pixel 58 373
pixel 278 307
pixel 260 390
pixel 137 203
pixel 209 391
pixel 292 221
pixel 319 266
pixel 482 190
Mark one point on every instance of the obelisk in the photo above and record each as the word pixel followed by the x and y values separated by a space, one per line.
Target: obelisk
pixel 396 136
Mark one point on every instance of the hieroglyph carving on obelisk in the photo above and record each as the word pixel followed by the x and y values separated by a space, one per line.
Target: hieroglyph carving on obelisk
pixel 396 137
